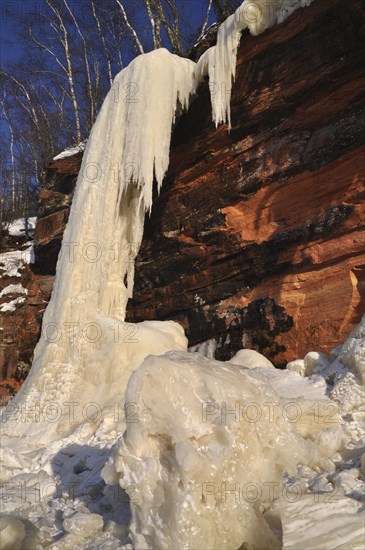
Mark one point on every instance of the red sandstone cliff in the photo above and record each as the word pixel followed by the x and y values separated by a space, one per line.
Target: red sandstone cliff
pixel 258 233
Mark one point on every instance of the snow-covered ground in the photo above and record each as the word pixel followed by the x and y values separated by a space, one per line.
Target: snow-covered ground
pixel 118 421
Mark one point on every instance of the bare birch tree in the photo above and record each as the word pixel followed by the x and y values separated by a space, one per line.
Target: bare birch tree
pixel 72 53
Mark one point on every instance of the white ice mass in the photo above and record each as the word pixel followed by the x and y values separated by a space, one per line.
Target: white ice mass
pixel 117 418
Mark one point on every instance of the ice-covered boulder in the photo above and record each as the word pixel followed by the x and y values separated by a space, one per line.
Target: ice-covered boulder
pixel 211 441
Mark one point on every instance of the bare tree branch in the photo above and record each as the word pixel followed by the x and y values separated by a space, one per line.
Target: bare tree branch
pixel 130 28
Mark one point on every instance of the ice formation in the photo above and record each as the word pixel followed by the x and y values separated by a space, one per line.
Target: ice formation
pixel 12 262
pixel 86 352
pixel 58 432
pixel 213 433
pixel 204 464
pixel 219 61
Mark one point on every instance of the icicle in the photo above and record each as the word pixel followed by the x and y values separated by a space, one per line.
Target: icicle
pixel 219 62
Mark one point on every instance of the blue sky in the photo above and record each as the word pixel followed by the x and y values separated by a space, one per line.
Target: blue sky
pixel 194 11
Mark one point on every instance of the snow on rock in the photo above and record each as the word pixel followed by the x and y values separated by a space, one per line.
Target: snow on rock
pixel 17 227
pixel 12 262
pixel 11 306
pixel 13 289
pixel 70 151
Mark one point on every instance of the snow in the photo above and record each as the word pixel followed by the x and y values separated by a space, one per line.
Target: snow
pixel 11 306
pixel 13 289
pixel 17 227
pixel 116 417
pixel 12 262
pixel 70 151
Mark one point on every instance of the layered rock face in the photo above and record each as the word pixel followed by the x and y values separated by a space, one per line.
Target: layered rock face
pixel 259 233
pixel 257 237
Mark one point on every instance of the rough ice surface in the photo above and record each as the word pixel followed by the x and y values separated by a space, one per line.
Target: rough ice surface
pixel 226 454
pixel 80 454
pixel 212 433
